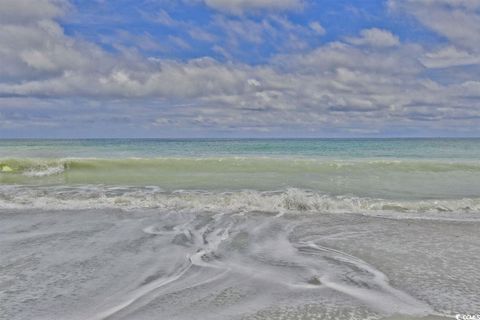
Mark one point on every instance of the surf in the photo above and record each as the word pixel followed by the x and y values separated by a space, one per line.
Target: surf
pixel 377 178
pixel 289 201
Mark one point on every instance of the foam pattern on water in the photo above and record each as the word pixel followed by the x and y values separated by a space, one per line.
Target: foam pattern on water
pixel 286 201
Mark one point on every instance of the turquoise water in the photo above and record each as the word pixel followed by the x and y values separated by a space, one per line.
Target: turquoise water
pixel 353 174
pixel 453 149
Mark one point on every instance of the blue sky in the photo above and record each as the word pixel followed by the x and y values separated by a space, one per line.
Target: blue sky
pixel 239 68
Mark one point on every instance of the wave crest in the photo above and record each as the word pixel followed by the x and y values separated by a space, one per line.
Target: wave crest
pixel 287 201
pixel 43 167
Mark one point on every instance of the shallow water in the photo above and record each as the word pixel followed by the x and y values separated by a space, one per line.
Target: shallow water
pixel 99 264
pixel 239 229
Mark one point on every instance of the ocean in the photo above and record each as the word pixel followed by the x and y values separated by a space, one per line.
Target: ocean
pixel 239 228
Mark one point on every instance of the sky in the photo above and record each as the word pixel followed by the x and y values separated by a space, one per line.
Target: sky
pixel 239 68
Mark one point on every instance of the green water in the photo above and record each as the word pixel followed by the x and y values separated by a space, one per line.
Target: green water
pixel 381 168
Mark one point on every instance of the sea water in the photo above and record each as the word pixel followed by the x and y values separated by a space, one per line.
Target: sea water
pixel 239 229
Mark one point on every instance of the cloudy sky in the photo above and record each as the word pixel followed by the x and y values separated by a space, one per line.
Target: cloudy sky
pixel 239 68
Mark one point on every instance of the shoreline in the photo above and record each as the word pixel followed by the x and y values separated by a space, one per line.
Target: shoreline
pixel 84 254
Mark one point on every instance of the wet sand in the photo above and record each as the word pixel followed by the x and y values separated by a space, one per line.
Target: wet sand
pixel 99 264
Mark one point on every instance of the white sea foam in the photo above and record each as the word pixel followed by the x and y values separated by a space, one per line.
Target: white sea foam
pixel 286 201
pixel 44 171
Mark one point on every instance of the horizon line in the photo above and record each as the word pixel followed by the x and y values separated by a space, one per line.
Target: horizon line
pixel 242 138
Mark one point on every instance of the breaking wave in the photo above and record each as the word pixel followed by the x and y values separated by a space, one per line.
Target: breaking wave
pixel 44 171
pixel 36 167
pixel 367 179
pixel 286 201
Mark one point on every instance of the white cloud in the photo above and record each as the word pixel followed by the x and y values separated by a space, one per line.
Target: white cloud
pixel 162 17
pixel 317 27
pixel 39 49
pixel 457 20
pixel 467 4
pixel 242 6
pixel 373 81
pixel 27 11
pixel 376 38
pixel 449 56
pixel 275 31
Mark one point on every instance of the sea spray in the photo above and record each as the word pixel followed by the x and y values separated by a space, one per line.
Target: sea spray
pixel 286 201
